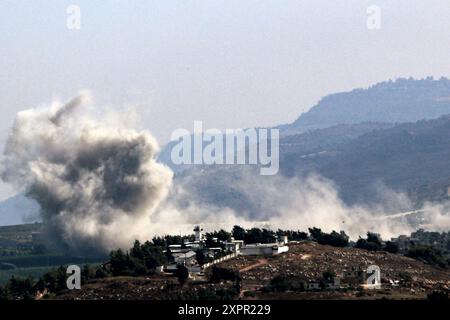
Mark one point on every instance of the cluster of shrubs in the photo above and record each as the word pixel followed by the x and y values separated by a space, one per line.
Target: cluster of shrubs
pixel 282 283
pixel 333 239
pixel 52 282
pixel 219 274
pixel 428 254
pixel 208 294
pixel 373 242
pixel 18 288
pixel 424 253
pixel 142 259
pixel 23 249
pixel 253 235
pixel 168 240
pixel 257 235
pixel 293 235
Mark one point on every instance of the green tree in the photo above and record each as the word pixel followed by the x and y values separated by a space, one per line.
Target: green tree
pixel 101 273
pixel 137 251
pixel 268 236
pixel 428 254
pixel 219 274
pixel 182 274
pixel 283 283
pixel 391 247
pixel 21 287
pixel 328 275
pixel 280 283
pixel 169 255
pixel 253 235
pixel 201 257
pixel 221 235
pixel 238 233
pixel 293 235
pixel 154 256
pixel 332 239
pixel 372 243
pixel 120 263
pixel 315 233
pixel 210 242
pixel 160 242
pixel 4 293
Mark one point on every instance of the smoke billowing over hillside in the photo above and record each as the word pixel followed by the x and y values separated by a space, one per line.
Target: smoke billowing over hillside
pixel 99 186
pixel 96 181
pixel 302 202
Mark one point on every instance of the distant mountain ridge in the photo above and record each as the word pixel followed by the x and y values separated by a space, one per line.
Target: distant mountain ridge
pixel 399 101
pixel 385 103
pixel 396 133
pixel 18 210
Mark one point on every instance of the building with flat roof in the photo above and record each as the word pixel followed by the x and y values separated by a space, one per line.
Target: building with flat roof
pixel 264 249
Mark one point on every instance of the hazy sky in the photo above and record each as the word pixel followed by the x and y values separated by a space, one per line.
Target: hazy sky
pixel 229 63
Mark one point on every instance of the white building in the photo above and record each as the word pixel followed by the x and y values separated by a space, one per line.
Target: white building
pixel 234 245
pixel 183 257
pixel 199 235
pixel 264 249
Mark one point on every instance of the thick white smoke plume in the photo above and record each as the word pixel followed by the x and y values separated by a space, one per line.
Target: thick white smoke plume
pixel 300 203
pixel 99 187
pixel 96 181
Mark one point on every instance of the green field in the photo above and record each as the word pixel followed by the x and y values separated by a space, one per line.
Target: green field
pixel 17 257
pixel 36 265
pixel 16 236
pixel 33 261
pixel 35 273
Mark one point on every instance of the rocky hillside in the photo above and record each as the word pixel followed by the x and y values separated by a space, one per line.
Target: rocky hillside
pixel 401 277
pixel 308 260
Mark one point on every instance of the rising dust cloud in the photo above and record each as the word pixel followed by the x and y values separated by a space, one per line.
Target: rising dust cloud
pixel 96 182
pixel 99 186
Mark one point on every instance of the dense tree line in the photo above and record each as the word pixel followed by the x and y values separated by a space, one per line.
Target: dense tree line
pixel 51 282
pixel 428 254
pixel 293 235
pixel 333 239
pixel 220 235
pixel 373 242
pixel 169 240
pixel 202 258
pixel 257 235
pixel 253 235
pixel 142 259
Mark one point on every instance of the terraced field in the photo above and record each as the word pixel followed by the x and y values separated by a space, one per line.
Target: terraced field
pixel 18 256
